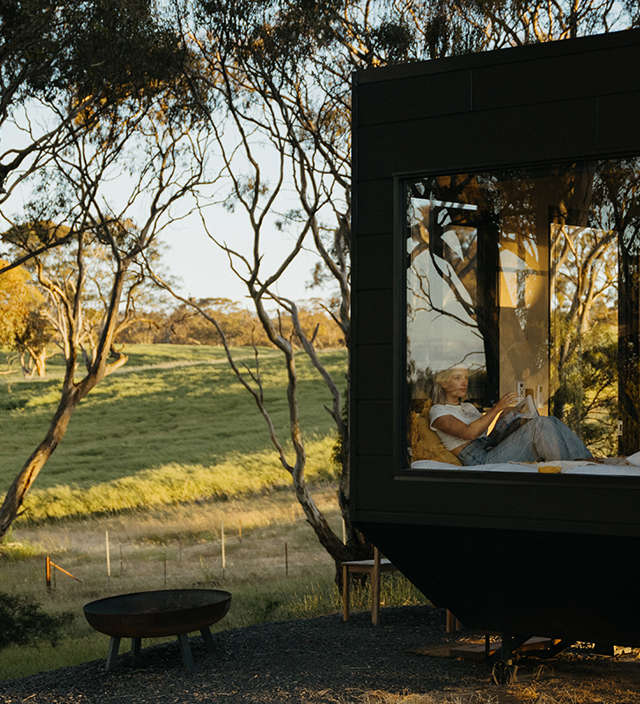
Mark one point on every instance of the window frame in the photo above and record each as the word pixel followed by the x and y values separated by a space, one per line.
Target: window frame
pixel 401 396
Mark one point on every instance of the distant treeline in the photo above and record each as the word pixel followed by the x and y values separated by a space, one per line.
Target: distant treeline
pixel 184 325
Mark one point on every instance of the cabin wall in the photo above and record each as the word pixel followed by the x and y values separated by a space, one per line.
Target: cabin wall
pixel 552 102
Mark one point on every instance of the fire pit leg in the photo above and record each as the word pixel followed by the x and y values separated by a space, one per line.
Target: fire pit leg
pixel 135 648
pixel 208 640
pixel 185 649
pixel 113 652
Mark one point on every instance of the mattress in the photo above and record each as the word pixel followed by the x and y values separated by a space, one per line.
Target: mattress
pixel 568 467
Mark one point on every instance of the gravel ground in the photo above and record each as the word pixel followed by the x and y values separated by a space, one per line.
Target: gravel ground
pixel 320 660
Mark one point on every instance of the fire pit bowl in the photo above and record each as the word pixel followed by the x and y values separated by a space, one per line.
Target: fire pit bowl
pixel 166 612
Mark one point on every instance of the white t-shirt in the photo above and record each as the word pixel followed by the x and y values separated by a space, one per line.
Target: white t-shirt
pixel 466 412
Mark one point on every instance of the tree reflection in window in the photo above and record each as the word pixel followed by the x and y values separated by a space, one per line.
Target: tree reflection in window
pixel 531 277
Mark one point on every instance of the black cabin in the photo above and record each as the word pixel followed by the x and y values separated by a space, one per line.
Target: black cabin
pixel 496 226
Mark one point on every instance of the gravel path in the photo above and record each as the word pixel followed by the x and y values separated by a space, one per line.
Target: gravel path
pixel 315 660
pixel 319 660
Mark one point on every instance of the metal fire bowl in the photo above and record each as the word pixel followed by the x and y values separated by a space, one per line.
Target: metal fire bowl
pixel 166 612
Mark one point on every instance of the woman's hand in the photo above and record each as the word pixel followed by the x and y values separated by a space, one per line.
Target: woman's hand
pixel 507 401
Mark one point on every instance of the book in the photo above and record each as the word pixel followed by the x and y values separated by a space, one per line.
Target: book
pixel 511 419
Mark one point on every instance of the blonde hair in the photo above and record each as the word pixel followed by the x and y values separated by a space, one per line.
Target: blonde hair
pixel 438 394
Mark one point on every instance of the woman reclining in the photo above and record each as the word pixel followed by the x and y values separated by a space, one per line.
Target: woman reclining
pixel 463 428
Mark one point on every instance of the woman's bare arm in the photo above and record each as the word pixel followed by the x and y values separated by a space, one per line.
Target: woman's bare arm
pixel 452 426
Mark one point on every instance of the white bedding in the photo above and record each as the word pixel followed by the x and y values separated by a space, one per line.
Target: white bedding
pixel 568 467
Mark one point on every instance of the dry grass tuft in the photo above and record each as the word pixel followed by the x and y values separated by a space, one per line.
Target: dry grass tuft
pixel 465 697
pixel 575 677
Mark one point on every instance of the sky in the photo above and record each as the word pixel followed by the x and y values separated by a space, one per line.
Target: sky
pixel 204 270
pixel 196 264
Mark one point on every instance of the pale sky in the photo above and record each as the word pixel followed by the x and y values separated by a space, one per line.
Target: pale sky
pixel 190 256
pixel 204 269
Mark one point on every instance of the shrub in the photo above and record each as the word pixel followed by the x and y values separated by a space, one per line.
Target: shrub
pixel 23 622
pixel 13 551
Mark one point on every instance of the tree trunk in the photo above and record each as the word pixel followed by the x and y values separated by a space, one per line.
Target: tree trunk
pixel 38 361
pixel 15 495
pixel 27 370
pixel 72 394
pixel 353 550
pixel 41 364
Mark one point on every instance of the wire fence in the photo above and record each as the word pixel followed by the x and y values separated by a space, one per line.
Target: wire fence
pixel 117 563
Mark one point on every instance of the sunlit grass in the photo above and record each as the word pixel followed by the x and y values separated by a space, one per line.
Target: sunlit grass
pixel 164 426
pixel 12 550
pixel 238 475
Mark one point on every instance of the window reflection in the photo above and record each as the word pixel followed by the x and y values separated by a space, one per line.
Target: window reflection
pixel 530 280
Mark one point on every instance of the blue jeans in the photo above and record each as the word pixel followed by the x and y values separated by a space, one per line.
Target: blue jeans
pixel 540 439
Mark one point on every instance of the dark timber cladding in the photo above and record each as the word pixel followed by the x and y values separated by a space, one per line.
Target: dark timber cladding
pixel 524 106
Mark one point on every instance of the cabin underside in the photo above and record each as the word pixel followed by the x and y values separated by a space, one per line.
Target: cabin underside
pixel 572 586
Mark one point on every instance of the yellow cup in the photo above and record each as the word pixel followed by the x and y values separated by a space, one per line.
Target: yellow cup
pixel 549 469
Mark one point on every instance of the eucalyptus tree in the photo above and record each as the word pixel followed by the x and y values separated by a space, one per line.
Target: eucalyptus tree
pixel 278 76
pixel 18 298
pixel 68 63
pixel 90 91
pixel 278 80
pixel 23 327
pixel 99 237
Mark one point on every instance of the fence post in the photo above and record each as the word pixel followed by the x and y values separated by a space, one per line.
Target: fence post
pixel 47 572
pixel 106 542
pixel 222 546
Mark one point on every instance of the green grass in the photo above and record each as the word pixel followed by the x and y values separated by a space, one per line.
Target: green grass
pixel 161 454
pixel 237 475
pixel 173 425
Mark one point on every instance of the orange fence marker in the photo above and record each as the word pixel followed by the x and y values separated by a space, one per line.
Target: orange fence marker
pixel 48 564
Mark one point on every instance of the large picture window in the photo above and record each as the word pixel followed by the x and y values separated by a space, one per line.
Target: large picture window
pixel 529 280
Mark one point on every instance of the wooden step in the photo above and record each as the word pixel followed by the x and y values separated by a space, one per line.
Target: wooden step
pixel 476 651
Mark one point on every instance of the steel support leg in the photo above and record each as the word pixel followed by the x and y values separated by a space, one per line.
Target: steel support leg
pixel 114 645
pixel 208 640
pixel 185 649
pixel 135 648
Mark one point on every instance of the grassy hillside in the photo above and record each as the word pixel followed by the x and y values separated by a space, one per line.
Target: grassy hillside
pixel 170 429
pixel 172 425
